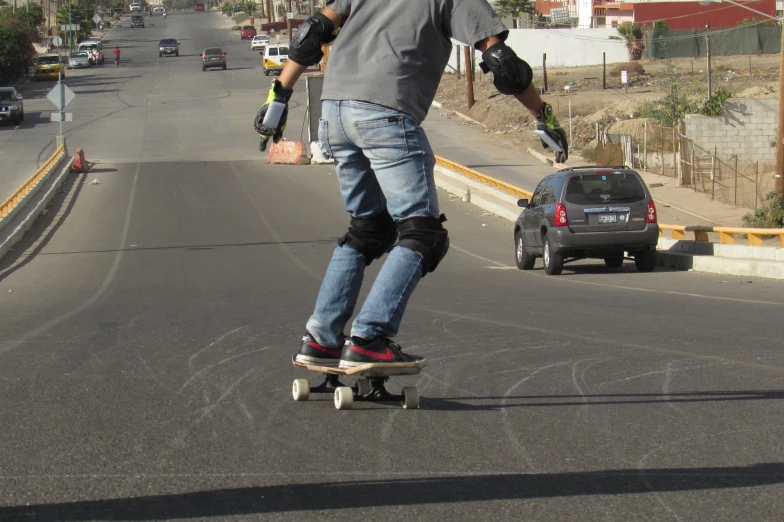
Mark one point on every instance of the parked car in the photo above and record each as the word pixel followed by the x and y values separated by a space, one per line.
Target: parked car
pixel 92 49
pixel 11 105
pixel 587 212
pixel 247 31
pixel 213 57
pixel 198 7
pixel 158 9
pixel 48 67
pixel 259 42
pixel 137 21
pixel 275 57
pixel 79 60
pixel 168 46
pixel 136 7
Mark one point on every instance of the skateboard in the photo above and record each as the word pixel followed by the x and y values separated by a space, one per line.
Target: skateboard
pixel 368 387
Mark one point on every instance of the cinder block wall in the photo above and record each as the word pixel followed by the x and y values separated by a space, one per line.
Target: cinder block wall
pixel 747 129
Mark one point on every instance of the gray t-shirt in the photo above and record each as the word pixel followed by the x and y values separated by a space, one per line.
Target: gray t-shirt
pixel 393 52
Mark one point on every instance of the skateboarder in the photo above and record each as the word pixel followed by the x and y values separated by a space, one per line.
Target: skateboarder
pixel 382 76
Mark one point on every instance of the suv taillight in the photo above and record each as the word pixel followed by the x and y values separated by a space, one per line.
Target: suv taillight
pixel 560 219
pixel 650 214
pixel 223 55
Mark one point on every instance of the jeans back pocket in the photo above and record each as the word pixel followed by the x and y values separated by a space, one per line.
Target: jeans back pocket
pixel 385 137
pixel 323 137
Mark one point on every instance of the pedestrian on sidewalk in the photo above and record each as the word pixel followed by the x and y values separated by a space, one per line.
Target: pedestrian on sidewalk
pixel 374 99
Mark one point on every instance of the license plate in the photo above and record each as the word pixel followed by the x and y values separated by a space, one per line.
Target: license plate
pixel 607 218
pixel 214 59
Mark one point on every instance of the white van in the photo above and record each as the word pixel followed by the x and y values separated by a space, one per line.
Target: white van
pixel 275 57
pixel 136 7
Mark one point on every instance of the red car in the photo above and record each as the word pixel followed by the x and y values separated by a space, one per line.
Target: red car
pixel 247 31
pixel 198 7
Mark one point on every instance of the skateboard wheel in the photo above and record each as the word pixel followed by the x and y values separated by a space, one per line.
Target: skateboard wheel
pixel 344 398
pixel 363 387
pixel 410 398
pixel 300 390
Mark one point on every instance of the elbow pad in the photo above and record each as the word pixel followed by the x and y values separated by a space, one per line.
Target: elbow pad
pixel 511 75
pixel 305 48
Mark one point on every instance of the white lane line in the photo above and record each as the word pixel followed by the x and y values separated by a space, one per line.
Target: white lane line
pixel 11 345
pixel 497 266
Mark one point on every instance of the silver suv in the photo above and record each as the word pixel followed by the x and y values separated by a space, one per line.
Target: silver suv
pixel 587 212
pixel 11 105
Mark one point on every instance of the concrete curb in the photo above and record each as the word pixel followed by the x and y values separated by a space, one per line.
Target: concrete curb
pixel 721 265
pixel 8 218
pixel 459 114
pixel 470 191
pixel 14 237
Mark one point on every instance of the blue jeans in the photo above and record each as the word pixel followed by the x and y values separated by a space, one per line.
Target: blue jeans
pixel 383 161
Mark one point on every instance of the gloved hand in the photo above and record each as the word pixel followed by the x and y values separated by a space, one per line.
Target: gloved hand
pixel 547 122
pixel 273 128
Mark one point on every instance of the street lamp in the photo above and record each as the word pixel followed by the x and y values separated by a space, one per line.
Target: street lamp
pixel 778 180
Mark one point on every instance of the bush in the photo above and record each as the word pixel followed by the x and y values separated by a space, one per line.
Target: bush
pixel 610 155
pixel 631 67
pixel 107 25
pixel 16 52
pixel 770 215
pixel 590 153
pixel 235 27
pixel 240 18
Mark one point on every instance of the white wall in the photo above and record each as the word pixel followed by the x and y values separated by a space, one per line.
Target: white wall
pixel 564 47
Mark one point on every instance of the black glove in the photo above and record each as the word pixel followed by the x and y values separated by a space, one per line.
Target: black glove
pixel 547 122
pixel 274 130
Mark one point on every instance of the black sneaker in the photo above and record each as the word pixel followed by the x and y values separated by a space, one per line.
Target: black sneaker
pixel 311 352
pixel 360 352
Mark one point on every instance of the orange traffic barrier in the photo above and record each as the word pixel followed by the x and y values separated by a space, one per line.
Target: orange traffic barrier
pixel 80 164
pixel 287 152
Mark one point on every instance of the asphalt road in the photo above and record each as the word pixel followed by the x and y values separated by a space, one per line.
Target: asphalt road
pixel 148 321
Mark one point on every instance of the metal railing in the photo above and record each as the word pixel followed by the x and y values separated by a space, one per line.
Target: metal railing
pixel 19 194
pixel 754 236
pixel 503 186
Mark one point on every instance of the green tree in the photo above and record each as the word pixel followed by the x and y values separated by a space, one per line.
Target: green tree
pixel 16 50
pixel 514 8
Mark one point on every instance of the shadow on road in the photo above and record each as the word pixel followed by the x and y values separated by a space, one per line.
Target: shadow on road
pixel 196 247
pixel 404 492
pixel 549 401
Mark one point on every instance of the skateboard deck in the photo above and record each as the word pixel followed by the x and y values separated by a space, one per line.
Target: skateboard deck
pixel 370 370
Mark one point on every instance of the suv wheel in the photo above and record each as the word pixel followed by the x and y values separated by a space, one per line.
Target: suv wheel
pixel 645 260
pixel 524 260
pixel 553 263
pixel 614 261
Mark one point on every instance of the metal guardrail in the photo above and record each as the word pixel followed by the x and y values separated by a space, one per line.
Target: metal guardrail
pixel 726 234
pixel 9 204
pixel 507 188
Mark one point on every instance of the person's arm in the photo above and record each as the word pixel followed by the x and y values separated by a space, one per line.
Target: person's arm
pixel 292 70
pixel 529 97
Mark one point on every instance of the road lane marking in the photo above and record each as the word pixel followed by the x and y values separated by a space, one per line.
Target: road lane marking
pixel 13 344
pixel 503 266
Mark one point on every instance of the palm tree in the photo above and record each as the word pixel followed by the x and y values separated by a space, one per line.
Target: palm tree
pixel 632 32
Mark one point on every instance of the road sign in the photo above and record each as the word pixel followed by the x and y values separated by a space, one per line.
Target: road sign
pixel 60 99
pixel 69 27
pixel 290 16
pixel 58 116
pixel 624 77
pixel 96 18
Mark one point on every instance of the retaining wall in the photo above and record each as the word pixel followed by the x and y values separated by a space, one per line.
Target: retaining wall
pixel 748 129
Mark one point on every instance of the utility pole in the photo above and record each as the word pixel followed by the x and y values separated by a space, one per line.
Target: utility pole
pixel 288 20
pixel 708 40
pixel 778 180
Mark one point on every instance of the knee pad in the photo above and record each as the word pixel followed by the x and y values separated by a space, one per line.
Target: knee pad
pixel 371 236
pixel 426 235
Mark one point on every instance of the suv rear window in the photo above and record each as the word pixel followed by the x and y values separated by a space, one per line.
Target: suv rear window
pixel 248 27
pixel 595 189
pixel 213 50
